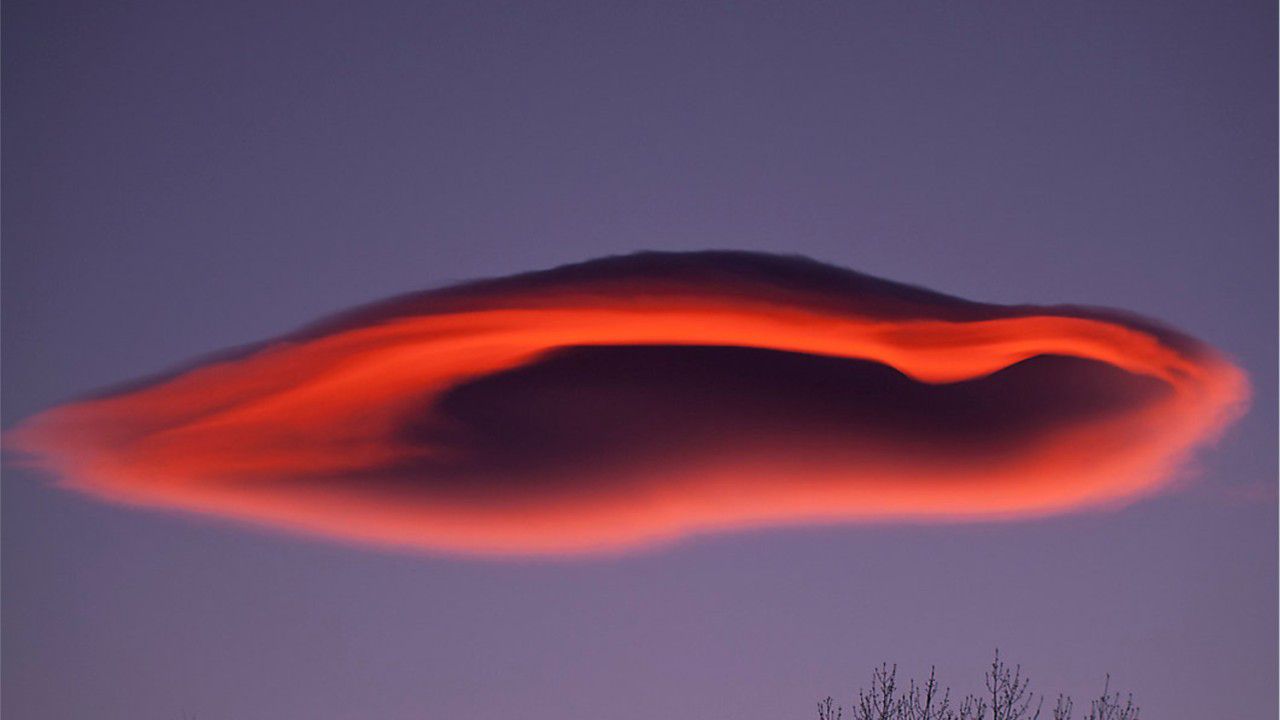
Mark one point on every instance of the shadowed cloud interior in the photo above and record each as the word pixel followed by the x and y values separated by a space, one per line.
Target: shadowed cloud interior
pixel 629 400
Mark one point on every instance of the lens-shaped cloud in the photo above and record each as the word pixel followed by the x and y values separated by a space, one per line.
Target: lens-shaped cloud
pixel 634 399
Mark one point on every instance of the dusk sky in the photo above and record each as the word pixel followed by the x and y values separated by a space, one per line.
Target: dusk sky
pixel 184 179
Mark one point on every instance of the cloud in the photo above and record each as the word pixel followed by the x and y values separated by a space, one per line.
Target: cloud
pixel 630 400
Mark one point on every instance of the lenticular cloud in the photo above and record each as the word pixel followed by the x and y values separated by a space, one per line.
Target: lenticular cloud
pixel 634 399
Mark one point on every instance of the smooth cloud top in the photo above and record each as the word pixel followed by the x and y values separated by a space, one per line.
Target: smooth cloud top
pixel 634 399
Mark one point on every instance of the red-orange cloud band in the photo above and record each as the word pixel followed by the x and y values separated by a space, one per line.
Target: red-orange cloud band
pixel 308 433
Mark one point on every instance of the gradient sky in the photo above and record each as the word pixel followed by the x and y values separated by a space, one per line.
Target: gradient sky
pixel 180 178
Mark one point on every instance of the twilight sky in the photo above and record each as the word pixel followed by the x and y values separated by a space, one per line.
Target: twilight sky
pixel 182 178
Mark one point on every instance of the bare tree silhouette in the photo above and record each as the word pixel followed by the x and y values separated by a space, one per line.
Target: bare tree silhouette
pixel 1007 696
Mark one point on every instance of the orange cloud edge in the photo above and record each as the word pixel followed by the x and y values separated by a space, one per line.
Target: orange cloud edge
pixel 287 434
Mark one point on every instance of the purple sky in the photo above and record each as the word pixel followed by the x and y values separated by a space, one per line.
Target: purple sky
pixel 183 177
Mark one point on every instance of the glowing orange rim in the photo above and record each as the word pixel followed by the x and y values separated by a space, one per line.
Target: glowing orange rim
pixel 329 405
